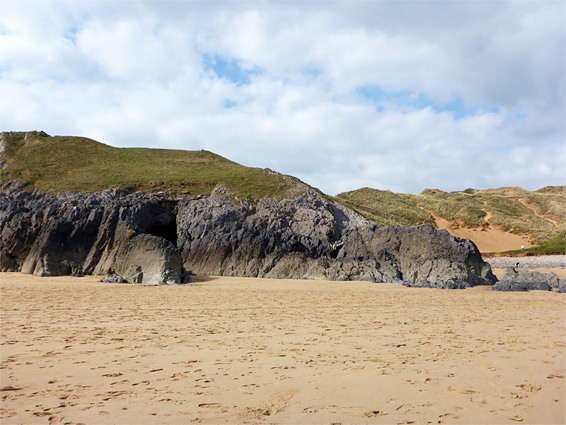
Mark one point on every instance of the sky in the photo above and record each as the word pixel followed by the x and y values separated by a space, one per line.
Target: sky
pixel 393 95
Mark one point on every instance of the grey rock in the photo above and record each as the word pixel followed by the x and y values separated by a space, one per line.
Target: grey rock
pixel 113 278
pixel 79 233
pixel 562 285
pixel 154 238
pixel 510 286
pixel 311 237
pixel 526 280
pixel 552 280
pixel 31 134
pixel 518 286
pixel 148 259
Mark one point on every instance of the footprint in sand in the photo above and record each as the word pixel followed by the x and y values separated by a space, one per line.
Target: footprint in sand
pixel 518 396
pixel 478 400
pixel 208 405
pixel 9 388
pixel 374 413
pixel 449 415
pixel 55 419
pixel 529 388
pixel 552 376
pixel 277 402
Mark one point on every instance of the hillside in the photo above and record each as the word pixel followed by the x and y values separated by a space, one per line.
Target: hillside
pixel 57 164
pixel 495 219
pixel 508 217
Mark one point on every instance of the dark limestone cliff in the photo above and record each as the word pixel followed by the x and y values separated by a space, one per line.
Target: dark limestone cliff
pixel 304 237
pixel 311 237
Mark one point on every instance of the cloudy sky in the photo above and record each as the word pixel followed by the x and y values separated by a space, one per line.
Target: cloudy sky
pixel 398 95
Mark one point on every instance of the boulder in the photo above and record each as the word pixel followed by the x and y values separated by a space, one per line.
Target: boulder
pixel 526 280
pixel 148 259
pixel 520 287
pixel 562 285
pixel 113 278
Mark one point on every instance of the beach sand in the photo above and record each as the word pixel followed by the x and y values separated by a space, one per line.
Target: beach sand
pixel 239 350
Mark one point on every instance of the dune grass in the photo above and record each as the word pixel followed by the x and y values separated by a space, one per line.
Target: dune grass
pixel 540 215
pixel 385 208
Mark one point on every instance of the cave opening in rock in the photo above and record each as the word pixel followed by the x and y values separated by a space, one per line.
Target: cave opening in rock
pixel 164 230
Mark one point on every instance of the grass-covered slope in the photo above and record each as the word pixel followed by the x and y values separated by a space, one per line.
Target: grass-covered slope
pixel 540 215
pixel 386 208
pixel 56 164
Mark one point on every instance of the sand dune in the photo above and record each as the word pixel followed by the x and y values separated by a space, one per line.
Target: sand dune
pixel 233 350
pixel 488 239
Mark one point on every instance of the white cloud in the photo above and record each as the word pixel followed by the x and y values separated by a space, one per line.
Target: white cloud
pixel 398 96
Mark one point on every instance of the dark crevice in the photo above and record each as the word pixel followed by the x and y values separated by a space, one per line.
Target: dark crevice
pixel 164 230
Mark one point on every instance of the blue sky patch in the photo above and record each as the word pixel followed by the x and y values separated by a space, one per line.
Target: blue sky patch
pixel 419 101
pixel 71 34
pixel 230 70
pixel 313 72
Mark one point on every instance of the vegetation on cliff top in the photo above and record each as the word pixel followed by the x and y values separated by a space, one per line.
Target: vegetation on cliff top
pixel 56 164
pixel 540 215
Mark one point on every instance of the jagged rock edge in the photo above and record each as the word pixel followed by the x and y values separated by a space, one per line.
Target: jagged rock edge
pixel 305 237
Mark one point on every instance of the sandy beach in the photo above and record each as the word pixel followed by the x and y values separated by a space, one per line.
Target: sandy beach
pixel 235 350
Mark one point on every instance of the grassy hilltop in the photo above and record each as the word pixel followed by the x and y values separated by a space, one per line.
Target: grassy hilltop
pixel 539 215
pixel 61 163
pixel 56 164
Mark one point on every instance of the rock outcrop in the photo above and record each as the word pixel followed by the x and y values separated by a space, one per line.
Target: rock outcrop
pixel 113 278
pixel 154 237
pixel 526 280
pixel 103 233
pixel 148 259
pixel 312 237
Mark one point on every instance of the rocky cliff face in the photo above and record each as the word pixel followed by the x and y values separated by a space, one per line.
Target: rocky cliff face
pixel 90 234
pixel 305 237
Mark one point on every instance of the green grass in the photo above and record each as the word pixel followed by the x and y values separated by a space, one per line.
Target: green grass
pixel 57 164
pixel 555 245
pixel 385 208
pixel 539 215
